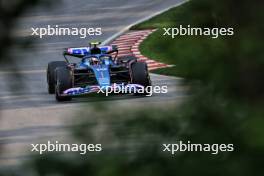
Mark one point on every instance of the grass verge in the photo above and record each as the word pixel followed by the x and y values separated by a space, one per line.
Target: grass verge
pixel 155 46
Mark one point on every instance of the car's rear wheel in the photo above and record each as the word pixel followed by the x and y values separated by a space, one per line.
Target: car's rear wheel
pixel 140 75
pixel 51 74
pixel 63 82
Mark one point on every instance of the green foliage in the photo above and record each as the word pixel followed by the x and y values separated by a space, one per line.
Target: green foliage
pixel 133 142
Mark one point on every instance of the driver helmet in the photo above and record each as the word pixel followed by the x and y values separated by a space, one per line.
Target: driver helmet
pixel 94 61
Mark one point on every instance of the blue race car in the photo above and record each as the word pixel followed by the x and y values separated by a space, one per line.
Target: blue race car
pixel 98 70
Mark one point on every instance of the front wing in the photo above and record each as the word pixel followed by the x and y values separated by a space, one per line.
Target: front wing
pixel 114 88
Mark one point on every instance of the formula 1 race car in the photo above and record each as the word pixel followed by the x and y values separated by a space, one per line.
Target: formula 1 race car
pixel 99 69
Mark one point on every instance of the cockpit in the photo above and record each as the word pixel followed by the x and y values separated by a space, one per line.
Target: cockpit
pixel 97 60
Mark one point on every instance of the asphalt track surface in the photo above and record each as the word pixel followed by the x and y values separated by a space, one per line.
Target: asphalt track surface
pixel 28 113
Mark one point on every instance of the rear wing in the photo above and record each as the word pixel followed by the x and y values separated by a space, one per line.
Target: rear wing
pixel 84 51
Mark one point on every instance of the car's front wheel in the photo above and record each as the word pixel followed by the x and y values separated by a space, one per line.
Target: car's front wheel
pixel 63 82
pixel 51 74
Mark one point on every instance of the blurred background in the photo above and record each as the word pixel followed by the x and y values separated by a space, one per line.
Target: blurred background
pixel 220 99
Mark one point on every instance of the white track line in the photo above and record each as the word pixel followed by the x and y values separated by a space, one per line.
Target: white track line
pixel 139 21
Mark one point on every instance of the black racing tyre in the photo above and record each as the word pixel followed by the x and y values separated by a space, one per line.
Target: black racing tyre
pixel 140 74
pixel 51 74
pixel 63 82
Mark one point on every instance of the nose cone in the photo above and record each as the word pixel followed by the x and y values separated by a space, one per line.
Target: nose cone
pixel 102 75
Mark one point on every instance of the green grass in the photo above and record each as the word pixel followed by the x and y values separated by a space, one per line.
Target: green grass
pixel 174 51
pixel 155 46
